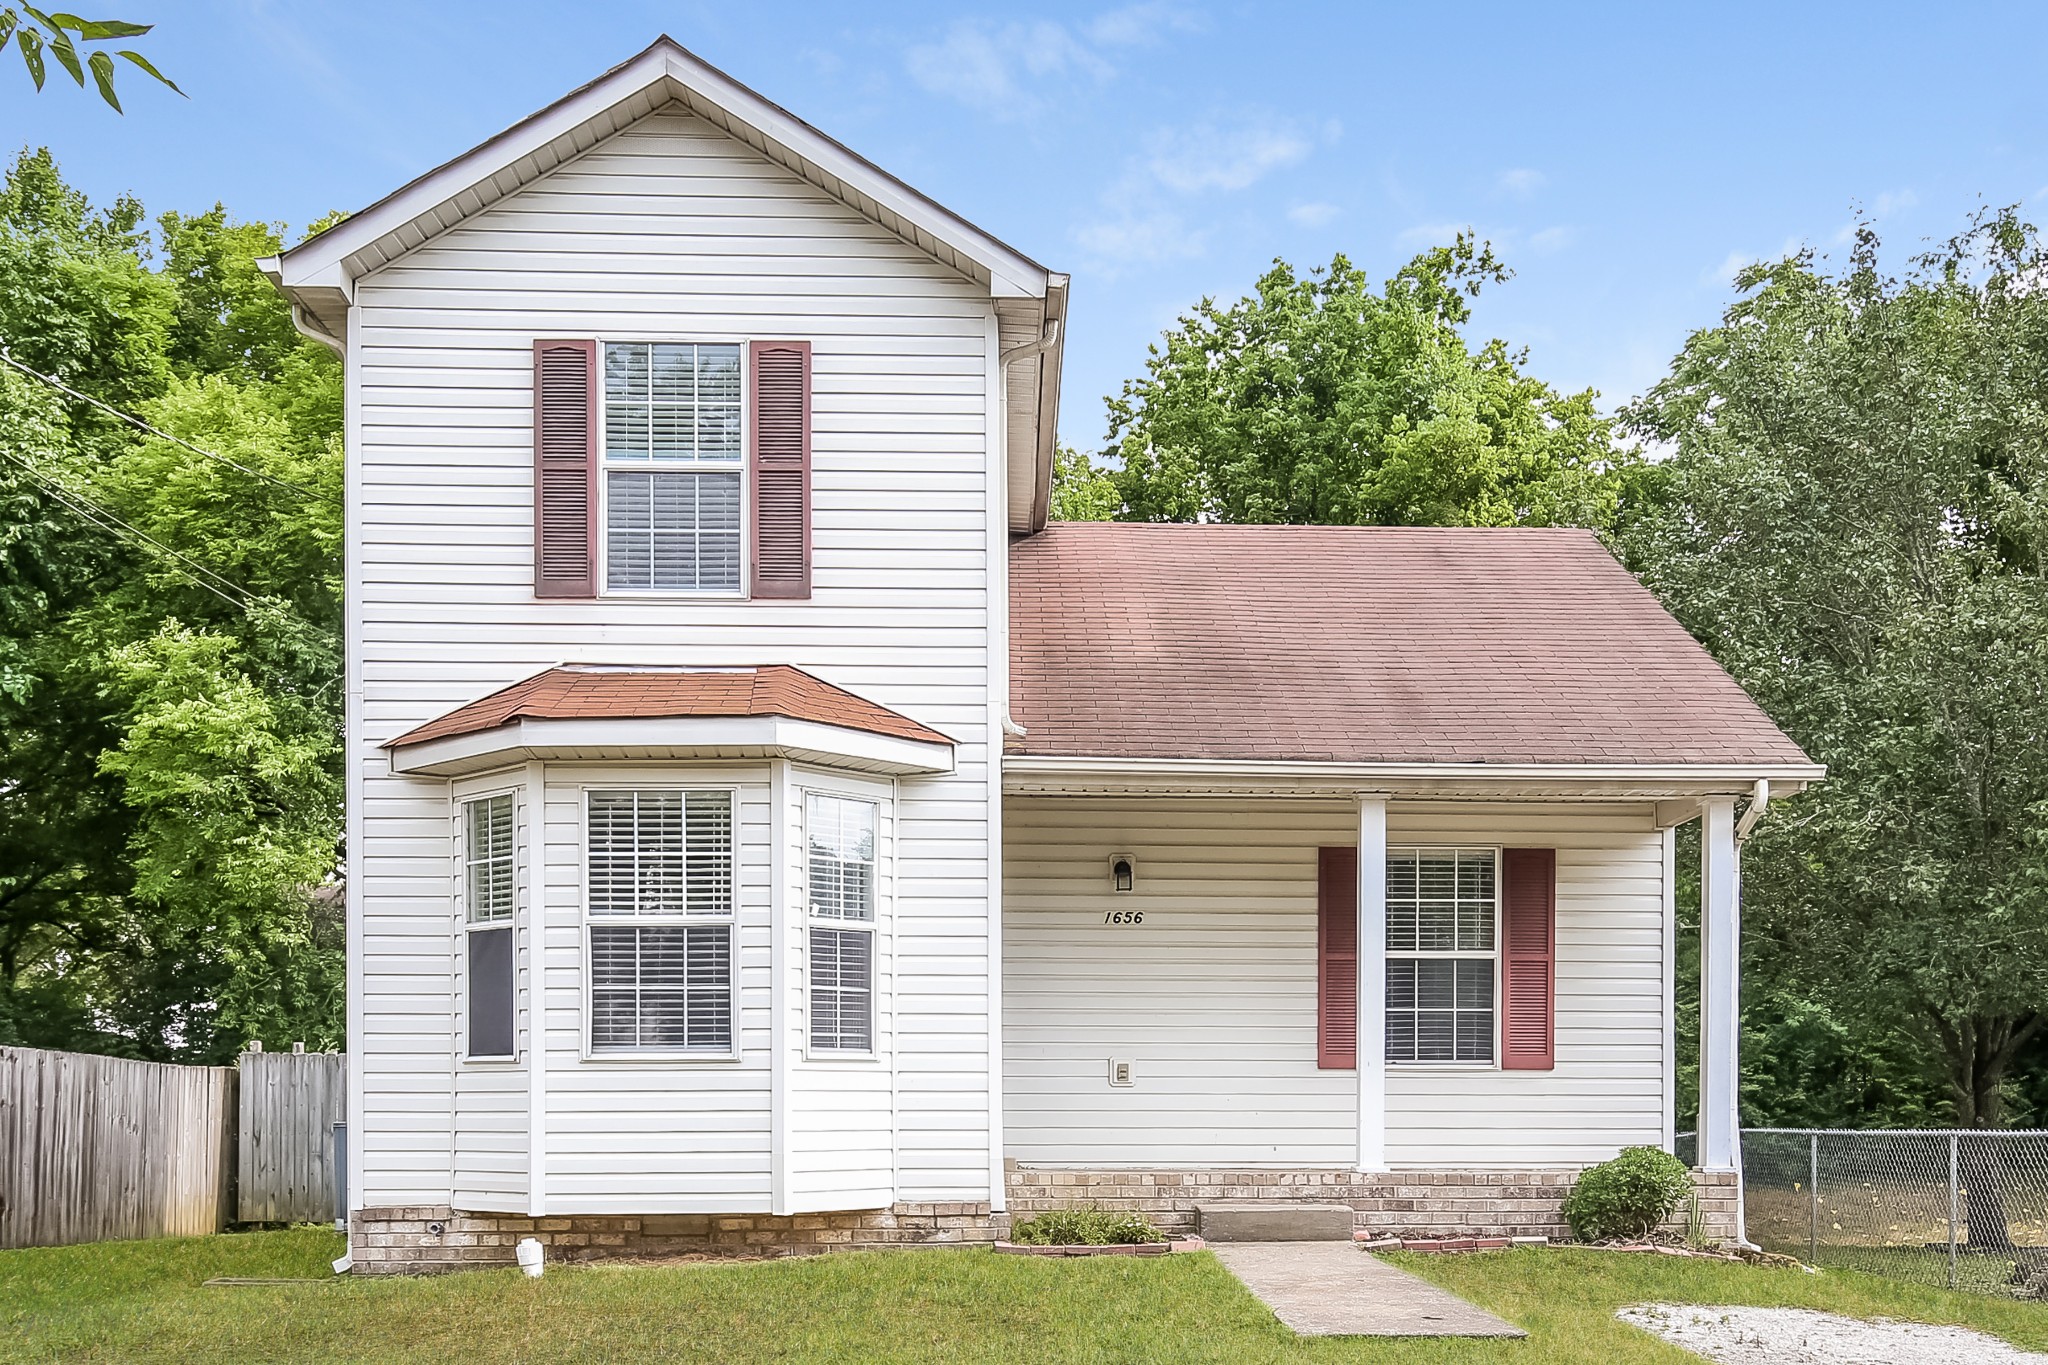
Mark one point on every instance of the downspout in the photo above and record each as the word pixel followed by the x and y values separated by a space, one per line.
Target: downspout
pixel 1048 339
pixel 1759 797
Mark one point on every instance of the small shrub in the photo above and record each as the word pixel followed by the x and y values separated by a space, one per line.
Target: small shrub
pixel 1695 1221
pixel 1628 1196
pixel 1089 1227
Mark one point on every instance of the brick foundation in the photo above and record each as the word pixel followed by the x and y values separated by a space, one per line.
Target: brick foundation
pixel 1401 1204
pixel 407 1239
pixel 402 1239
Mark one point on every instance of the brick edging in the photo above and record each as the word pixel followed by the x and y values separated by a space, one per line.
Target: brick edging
pixel 1166 1248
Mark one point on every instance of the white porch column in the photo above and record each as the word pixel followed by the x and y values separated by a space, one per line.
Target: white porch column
pixel 1372 983
pixel 1720 987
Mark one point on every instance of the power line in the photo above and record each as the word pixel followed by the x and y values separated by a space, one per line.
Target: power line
pixel 140 425
pixel 221 586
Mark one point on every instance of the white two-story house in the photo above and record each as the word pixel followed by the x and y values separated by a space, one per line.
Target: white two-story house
pixel 765 831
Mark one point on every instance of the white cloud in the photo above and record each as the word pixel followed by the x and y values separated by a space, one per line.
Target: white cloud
pixel 1140 239
pixel 1892 201
pixel 1136 25
pixel 1002 69
pixel 1313 215
pixel 1521 182
pixel 1432 234
pixel 1017 69
pixel 1552 239
pixel 1731 265
pixel 1205 157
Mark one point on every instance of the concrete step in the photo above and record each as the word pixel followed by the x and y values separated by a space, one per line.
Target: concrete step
pixel 1267 1221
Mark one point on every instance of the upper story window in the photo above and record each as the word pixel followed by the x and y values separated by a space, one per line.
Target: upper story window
pixel 1443 909
pixel 674 467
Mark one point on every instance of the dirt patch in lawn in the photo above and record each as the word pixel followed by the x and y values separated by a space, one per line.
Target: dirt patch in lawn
pixel 1800 1336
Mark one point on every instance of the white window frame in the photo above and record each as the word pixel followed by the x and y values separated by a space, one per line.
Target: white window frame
pixel 464 926
pixel 872 925
pixel 1445 1064
pixel 730 919
pixel 605 467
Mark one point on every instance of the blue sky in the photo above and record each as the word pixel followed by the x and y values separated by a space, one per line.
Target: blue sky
pixel 1625 160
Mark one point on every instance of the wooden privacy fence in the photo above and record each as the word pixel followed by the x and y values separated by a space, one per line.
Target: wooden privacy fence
pixel 290 1104
pixel 98 1148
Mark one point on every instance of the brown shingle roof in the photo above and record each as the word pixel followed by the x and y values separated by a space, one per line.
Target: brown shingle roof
pixel 595 692
pixel 1363 645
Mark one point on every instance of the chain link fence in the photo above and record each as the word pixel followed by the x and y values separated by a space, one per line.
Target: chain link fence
pixel 1960 1208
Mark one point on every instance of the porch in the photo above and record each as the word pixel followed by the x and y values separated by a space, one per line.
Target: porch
pixel 1167 995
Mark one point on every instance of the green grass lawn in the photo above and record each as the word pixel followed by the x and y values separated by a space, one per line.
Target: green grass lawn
pixel 144 1301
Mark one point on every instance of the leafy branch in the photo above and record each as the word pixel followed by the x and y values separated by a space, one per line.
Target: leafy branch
pixel 64 36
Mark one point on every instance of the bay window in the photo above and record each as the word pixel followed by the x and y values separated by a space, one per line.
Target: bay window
pixel 660 921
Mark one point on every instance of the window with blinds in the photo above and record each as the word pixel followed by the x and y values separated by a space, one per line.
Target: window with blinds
pixel 488 859
pixel 839 841
pixel 1443 911
pixel 660 910
pixel 674 466
pixel 490 899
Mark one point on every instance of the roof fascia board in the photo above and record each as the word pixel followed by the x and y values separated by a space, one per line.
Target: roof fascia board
pixel 1012 274
pixel 676 737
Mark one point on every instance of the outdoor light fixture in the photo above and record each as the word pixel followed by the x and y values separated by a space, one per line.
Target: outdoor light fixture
pixel 1123 871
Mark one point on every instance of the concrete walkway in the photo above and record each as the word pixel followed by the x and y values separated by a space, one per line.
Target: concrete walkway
pixel 1333 1289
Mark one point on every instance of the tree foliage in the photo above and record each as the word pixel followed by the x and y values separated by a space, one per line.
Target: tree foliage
pixel 1081 489
pixel 1854 520
pixel 67 40
pixel 169 637
pixel 1319 400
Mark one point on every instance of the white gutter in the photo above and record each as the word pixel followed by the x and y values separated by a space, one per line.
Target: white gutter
pixel 1755 776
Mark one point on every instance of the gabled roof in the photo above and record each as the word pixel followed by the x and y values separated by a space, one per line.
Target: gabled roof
pixel 665 72
pixel 319 274
pixel 604 692
pixel 1366 646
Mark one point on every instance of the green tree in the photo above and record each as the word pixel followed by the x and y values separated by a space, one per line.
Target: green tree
pixel 1853 521
pixel 169 637
pixel 1319 400
pixel 1081 489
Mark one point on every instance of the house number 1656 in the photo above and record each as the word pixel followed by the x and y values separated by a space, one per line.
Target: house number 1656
pixel 1123 917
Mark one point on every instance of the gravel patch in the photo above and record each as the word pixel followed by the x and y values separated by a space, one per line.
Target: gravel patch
pixel 1800 1336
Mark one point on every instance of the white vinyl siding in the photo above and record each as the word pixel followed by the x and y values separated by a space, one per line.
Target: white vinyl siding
pixel 843 1108
pixel 660 934
pixel 672 229
pixel 674 466
pixel 1213 997
pixel 1443 961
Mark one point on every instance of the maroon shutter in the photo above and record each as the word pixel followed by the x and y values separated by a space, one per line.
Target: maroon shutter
pixel 565 468
pixel 782 468
pixel 1337 959
pixel 1528 959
